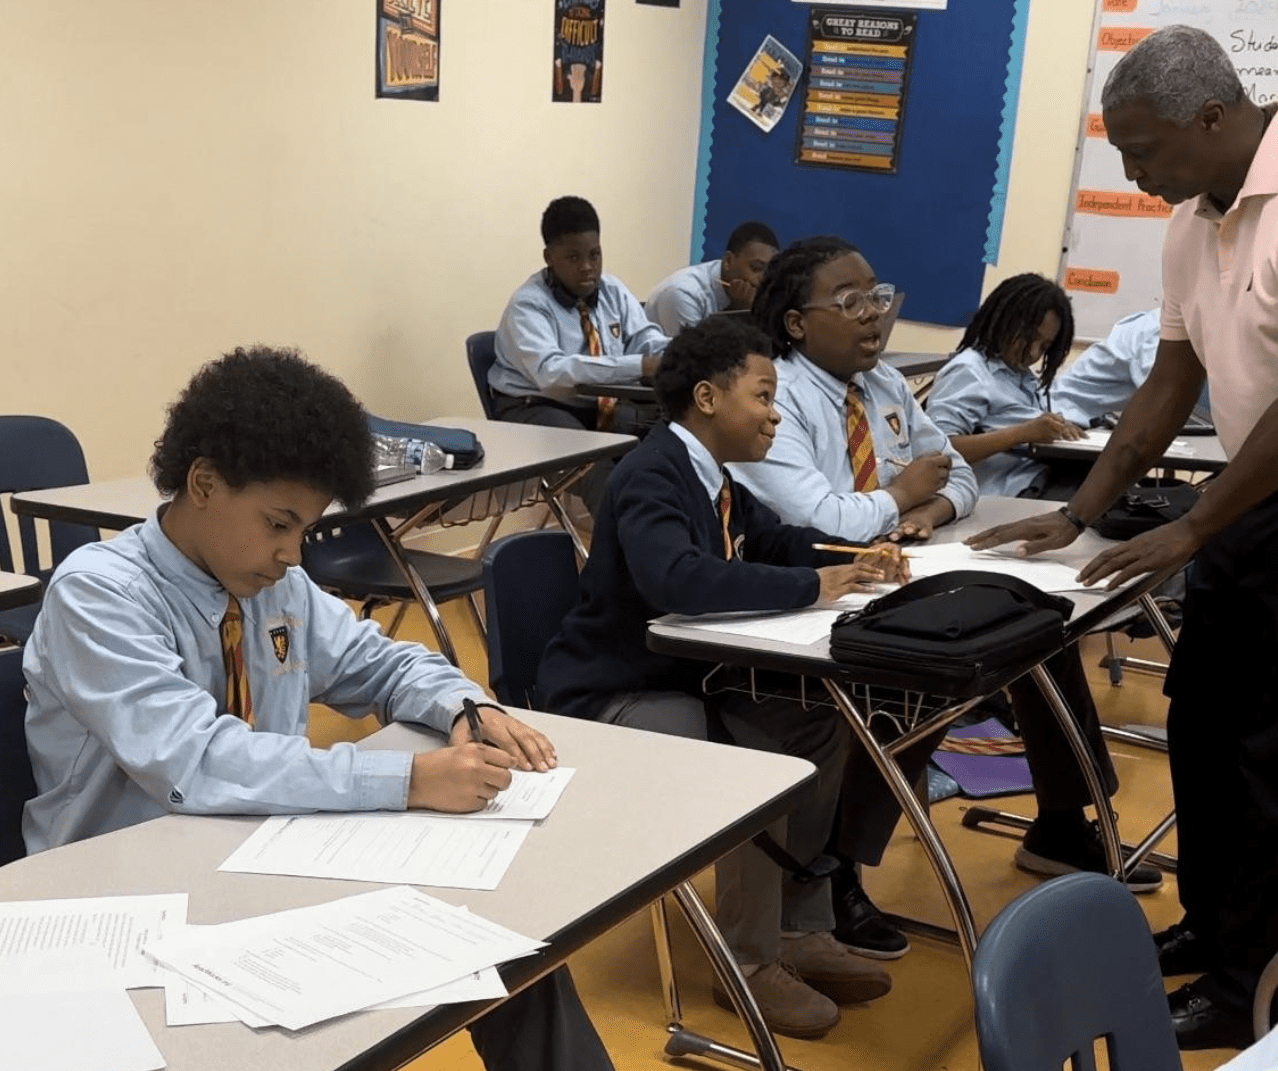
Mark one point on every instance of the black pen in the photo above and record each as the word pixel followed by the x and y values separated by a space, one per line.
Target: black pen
pixel 472 719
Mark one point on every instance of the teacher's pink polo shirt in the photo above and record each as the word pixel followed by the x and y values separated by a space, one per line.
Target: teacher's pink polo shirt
pixel 1220 292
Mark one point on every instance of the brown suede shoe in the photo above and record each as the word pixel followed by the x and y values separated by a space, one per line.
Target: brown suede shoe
pixel 789 1006
pixel 829 967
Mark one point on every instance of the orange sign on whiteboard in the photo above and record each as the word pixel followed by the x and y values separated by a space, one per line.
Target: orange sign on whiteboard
pixel 1095 125
pixel 1121 203
pixel 1120 5
pixel 1091 280
pixel 1121 38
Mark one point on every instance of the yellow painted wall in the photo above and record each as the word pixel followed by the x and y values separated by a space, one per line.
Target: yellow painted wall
pixel 179 177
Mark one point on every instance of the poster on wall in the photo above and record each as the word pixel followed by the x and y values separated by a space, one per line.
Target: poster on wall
pixel 858 74
pixel 659 3
pixel 408 49
pixel 579 37
pixel 922 5
pixel 767 84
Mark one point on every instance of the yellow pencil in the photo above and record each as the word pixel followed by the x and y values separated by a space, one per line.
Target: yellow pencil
pixel 838 548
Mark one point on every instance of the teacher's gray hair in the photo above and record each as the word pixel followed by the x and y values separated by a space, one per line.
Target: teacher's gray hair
pixel 1176 70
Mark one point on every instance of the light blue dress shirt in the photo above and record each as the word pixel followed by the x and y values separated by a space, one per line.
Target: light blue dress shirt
pixel 687 297
pixel 1103 378
pixel 974 393
pixel 807 476
pixel 703 462
pixel 127 717
pixel 542 350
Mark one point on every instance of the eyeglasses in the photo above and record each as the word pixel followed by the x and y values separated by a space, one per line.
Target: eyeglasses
pixel 854 303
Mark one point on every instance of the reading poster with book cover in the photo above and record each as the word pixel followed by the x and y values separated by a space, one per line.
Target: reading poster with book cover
pixel 408 49
pixel 579 37
pixel 767 84
pixel 858 74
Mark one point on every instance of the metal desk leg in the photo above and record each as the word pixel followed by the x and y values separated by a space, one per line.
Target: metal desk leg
pixel 685 1043
pixel 382 527
pixel 1087 764
pixel 551 495
pixel 976 817
pixel 939 858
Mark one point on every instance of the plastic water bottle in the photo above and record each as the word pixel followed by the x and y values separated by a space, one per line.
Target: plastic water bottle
pixel 393 451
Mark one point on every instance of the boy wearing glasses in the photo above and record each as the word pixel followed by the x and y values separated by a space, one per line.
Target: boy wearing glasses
pixel 856 456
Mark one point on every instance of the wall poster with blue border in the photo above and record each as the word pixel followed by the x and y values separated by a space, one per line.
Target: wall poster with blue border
pixel 408 49
pixel 858 72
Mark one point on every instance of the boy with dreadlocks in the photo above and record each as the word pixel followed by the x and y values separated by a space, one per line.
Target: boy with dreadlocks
pixel 855 456
pixel 990 403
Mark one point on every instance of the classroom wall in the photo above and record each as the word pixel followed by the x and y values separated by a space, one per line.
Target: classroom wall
pixel 181 177
pixel 185 176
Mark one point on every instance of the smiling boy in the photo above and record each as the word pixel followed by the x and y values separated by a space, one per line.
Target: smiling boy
pixel 676 534
pixel 171 668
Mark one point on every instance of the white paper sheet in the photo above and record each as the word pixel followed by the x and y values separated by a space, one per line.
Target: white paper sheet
pixel 410 848
pixel 119 925
pixel 1099 438
pixel 300 967
pixel 1044 573
pixel 1262 1056
pixel 530 797
pixel 89 1030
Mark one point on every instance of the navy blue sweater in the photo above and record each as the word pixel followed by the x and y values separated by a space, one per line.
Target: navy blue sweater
pixel 658 549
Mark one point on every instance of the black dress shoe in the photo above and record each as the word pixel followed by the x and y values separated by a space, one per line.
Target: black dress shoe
pixel 1201 1023
pixel 862 926
pixel 1180 951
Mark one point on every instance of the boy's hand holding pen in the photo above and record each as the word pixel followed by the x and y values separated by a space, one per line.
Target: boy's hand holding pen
pixel 878 564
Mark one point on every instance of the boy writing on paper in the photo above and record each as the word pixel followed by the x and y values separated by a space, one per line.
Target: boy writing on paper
pixel 857 456
pixel 171 668
pixel 676 534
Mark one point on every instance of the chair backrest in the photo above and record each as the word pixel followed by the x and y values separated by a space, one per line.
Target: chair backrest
pixel 1062 965
pixel 530 583
pixel 37 453
pixel 16 783
pixel 481 352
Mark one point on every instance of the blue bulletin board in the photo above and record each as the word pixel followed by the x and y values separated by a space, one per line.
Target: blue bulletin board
pixel 931 226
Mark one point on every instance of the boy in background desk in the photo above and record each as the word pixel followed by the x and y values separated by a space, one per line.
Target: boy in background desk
pixel 691 294
pixel 856 456
pixel 677 535
pixel 571 323
pixel 171 668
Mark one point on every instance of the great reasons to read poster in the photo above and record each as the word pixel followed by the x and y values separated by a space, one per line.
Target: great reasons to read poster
pixel 858 74
pixel 408 49
pixel 579 37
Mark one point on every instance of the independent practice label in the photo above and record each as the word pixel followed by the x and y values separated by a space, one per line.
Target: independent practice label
pixel 858 70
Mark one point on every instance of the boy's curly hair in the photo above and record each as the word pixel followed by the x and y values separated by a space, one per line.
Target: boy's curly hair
pixel 263 414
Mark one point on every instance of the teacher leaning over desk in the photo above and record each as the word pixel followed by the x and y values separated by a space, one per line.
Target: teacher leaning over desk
pixel 1176 111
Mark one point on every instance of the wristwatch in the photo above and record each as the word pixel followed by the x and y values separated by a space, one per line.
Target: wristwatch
pixel 1079 524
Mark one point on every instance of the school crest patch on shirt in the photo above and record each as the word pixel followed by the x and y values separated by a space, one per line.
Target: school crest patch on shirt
pixel 615 329
pixel 279 641
pixel 893 422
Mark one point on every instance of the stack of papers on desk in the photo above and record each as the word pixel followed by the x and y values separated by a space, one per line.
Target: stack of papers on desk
pixel 301 967
pixel 1046 574
pixel 457 851
pixel 1099 437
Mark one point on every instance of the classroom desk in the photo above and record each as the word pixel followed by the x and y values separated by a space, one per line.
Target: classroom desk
pixel 915 364
pixel 814 660
pixel 634 392
pixel 1206 454
pixel 17 589
pixel 513 453
pixel 643 814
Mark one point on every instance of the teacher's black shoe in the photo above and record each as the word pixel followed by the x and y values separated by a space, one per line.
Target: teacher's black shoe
pixel 862 926
pixel 1201 1023
pixel 1180 951
pixel 1066 847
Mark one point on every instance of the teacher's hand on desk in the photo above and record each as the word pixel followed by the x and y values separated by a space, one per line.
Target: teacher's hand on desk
pixel 1047 531
pixel 1167 547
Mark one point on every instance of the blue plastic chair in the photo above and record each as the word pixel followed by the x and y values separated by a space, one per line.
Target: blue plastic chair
pixel 1062 965
pixel 481 353
pixel 530 583
pixel 16 783
pixel 37 453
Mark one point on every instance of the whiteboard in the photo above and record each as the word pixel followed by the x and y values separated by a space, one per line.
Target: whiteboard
pixel 1112 250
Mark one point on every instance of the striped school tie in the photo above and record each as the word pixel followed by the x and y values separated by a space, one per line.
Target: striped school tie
pixel 594 347
pixel 725 512
pixel 238 699
pixel 865 474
